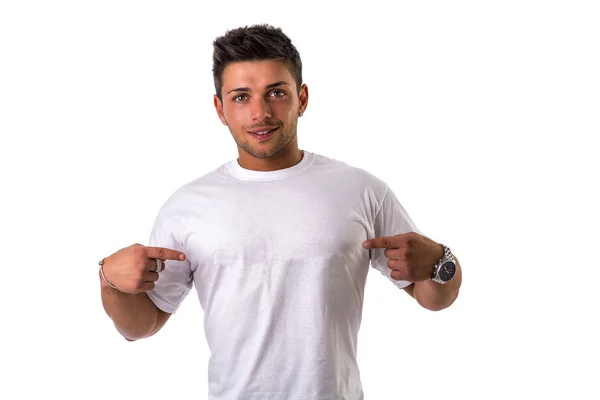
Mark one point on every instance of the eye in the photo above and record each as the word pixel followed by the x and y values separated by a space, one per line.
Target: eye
pixel 277 93
pixel 239 97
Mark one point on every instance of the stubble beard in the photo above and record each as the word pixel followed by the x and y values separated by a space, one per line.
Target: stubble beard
pixel 284 138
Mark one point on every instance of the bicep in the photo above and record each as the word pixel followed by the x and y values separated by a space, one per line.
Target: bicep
pixel 161 319
pixel 409 289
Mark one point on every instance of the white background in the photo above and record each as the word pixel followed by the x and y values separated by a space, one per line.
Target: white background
pixel 480 115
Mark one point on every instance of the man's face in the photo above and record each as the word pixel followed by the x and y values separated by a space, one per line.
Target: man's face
pixel 259 97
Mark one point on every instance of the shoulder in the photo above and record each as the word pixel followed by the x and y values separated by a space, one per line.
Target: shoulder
pixel 191 192
pixel 351 174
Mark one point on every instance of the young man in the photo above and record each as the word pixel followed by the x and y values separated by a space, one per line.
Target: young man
pixel 278 243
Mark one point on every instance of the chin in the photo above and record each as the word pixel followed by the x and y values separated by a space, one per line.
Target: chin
pixel 264 153
pixel 274 148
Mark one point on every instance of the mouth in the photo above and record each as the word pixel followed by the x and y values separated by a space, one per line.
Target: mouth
pixel 263 134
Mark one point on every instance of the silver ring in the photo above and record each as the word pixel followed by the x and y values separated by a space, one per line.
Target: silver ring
pixel 159 265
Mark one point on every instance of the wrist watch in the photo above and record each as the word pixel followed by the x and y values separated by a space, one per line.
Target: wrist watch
pixel 445 269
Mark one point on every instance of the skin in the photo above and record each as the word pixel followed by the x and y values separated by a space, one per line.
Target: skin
pixel 131 271
pixel 412 257
pixel 259 95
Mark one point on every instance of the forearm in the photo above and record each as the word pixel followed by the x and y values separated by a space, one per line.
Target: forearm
pixel 134 315
pixel 435 296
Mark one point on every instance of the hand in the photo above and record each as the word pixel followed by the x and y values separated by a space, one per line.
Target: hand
pixel 411 256
pixel 132 269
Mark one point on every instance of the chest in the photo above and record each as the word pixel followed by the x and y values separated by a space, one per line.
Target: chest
pixel 279 225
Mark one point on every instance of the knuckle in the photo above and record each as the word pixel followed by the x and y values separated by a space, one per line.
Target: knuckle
pixel 141 283
pixel 142 265
pixel 139 251
pixel 138 265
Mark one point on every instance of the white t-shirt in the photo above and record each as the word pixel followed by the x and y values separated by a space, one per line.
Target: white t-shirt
pixel 277 261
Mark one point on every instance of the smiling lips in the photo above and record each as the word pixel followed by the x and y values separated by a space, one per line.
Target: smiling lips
pixel 263 133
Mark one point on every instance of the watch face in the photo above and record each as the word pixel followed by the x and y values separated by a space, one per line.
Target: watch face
pixel 447 271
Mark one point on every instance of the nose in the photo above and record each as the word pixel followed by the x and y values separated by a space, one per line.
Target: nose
pixel 260 110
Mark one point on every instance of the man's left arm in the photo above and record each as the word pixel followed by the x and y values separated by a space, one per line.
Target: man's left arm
pixel 412 257
pixel 436 296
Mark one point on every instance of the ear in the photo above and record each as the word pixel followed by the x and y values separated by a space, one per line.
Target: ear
pixel 303 95
pixel 219 108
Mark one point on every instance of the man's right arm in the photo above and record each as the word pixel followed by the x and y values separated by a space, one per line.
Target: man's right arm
pixel 132 271
pixel 134 315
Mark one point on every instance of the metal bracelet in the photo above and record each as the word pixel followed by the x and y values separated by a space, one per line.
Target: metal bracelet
pixel 447 254
pixel 101 263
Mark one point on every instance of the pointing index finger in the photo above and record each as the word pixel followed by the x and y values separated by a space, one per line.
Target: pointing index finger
pixel 385 242
pixel 164 253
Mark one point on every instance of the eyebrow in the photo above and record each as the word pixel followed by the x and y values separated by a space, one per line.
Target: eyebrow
pixel 270 86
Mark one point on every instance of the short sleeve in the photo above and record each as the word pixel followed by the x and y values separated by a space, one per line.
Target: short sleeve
pixel 391 219
pixel 176 280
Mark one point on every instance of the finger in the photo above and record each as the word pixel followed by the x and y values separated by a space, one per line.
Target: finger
pixel 153 263
pixel 151 276
pixel 394 254
pixel 147 286
pixel 398 265
pixel 399 276
pixel 402 271
pixel 385 242
pixel 164 253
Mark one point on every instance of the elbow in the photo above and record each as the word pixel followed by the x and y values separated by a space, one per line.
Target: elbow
pixel 436 303
pixel 132 335
pixel 434 306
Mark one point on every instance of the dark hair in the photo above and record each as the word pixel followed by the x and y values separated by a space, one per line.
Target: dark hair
pixel 253 43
